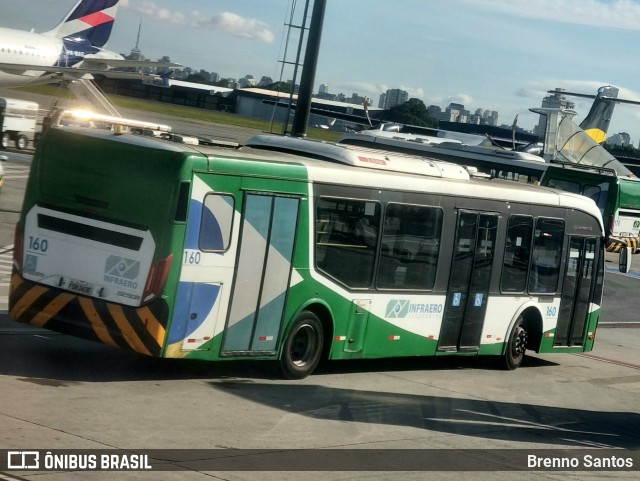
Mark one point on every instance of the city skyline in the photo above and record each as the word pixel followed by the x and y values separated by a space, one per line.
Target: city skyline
pixel 497 54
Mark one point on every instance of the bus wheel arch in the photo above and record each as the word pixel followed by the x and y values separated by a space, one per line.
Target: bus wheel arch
pixel 326 318
pixel 525 333
pixel 303 345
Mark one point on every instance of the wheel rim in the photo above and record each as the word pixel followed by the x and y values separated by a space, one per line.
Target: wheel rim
pixel 303 345
pixel 519 342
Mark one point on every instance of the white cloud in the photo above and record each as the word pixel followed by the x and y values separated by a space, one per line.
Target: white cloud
pixel 227 22
pixel 463 99
pixel 238 26
pixel 414 93
pixel 622 14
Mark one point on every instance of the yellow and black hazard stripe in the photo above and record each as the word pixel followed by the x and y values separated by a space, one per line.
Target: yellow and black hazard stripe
pixel 614 244
pixel 140 329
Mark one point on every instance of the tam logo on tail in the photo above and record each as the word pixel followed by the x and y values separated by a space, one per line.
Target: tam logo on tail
pixel 91 20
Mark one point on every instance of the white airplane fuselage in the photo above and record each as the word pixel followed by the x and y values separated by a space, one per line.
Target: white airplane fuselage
pixel 18 47
pixel 26 48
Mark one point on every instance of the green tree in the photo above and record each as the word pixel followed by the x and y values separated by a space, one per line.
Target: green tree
pixel 280 87
pixel 623 150
pixel 197 78
pixel 412 112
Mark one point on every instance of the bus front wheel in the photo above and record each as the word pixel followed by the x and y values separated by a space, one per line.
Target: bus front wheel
pixel 516 346
pixel 302 347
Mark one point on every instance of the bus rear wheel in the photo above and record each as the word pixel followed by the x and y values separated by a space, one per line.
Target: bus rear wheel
pixel 516 346
pixel 303 347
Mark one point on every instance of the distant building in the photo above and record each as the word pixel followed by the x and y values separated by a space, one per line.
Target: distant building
pixel 557 100
pixel 382 101
pixel 621 139
pixel 264 81
pixel 393 97
pixel 135 53
pixel 457 113
pixel 355 99
pixel 248 81
pixel 435 112
pixel 323 93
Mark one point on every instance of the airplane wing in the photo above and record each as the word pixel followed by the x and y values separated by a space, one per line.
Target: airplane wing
pixel 604 97
pixel 98 63
pixel 90 65
pixel 75 73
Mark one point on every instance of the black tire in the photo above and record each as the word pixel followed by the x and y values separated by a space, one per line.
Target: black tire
pixel 303 347
pixel 6 138
pixel 22 142
pixel 516 346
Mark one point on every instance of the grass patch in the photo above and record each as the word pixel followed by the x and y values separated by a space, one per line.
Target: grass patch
pixel 192 113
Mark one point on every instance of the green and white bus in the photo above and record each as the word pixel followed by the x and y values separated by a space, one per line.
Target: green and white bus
pixel 294 250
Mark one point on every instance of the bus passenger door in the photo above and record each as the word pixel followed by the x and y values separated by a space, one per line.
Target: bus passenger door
pixel 263 272
pixel 469 280
pixel 574 305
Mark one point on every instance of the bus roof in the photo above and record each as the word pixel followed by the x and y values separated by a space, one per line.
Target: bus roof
pixel 357 166
pixel 361 156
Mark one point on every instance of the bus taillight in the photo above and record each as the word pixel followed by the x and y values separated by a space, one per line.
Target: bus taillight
pixel 157 277
pixel 18 248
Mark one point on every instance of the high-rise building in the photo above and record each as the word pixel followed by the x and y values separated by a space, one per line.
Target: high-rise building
pixel 382 100
pixel 622 139
pixel 393 97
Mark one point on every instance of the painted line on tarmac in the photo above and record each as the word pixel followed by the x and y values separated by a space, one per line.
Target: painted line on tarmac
pixel 6 477
pixel 614 270
pixel 610 361
pixel 619 325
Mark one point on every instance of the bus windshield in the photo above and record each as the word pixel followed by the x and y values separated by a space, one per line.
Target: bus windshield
pixel 576 146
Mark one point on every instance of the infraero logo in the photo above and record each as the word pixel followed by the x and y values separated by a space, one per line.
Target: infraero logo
pixel 403 308
pixel 398 308
pixel 122 272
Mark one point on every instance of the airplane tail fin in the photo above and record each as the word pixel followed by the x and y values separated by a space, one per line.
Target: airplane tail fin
pixel 597 121
pixel 89 19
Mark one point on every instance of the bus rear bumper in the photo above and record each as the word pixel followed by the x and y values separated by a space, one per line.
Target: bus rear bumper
pixel 139 329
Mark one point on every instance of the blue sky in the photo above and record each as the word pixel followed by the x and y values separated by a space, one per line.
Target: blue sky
pixel 492 54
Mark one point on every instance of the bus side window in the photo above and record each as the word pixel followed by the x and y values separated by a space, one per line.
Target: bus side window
pixel 547 254
pixel 346 239
pixel 216 222
pixel 573 187
pixel 410 246
pixel 597 193
pixel 517 251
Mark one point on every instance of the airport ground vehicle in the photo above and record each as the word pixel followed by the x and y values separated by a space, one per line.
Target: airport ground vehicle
pixel 17 122
pixel 288 249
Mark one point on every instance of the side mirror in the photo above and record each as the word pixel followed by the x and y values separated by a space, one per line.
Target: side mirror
pixel 624 261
